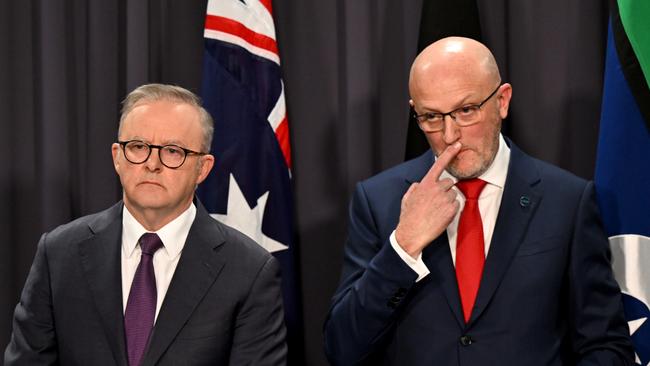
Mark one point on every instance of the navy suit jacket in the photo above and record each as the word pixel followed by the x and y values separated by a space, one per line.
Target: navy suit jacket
pixel 223 305
pixel 547 295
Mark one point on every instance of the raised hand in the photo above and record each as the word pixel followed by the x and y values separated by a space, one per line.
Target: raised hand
pixel 428 207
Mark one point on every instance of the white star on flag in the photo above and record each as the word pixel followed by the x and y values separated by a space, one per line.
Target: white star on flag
pixel 246 219
pixel 634 325
pixel 630 255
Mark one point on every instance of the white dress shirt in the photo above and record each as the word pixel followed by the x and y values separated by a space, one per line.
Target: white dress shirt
pixel 165 260
pixel 489 202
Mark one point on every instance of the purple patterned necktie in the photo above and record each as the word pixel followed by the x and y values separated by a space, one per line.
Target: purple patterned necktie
pixel 141 307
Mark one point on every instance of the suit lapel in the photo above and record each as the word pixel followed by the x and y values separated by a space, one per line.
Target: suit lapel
pixel 100 260
pixel 437 258
pixel 521 197
pixel 437 255
pixel 419 168
pixel 197 270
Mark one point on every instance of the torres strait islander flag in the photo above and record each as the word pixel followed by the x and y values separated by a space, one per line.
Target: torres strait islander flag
pixel 250 186
pixel 623 162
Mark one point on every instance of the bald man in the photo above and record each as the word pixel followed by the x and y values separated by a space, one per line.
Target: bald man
pixel 474 253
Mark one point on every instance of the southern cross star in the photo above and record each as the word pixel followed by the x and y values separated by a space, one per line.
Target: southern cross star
pixel 248 219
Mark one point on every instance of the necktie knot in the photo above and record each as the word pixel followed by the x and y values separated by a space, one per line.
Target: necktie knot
pixel 471 188
pixel 150 243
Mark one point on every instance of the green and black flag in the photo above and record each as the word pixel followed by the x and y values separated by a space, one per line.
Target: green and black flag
pixel 623 164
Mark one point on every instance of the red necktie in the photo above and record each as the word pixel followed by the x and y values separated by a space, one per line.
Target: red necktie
pixel 470 249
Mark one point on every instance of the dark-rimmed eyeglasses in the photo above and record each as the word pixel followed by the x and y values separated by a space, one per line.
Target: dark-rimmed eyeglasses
pixel 464 116
pixel 171 156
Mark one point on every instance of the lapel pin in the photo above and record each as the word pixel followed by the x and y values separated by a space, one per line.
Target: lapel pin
pixel 524 201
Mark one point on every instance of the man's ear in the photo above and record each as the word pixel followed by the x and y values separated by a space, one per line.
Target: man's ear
pixel 205 166
pixel 504 99
pixel 115 151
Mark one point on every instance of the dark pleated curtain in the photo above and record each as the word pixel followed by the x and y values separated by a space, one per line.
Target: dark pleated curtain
pixel 65 65
pixel 58 119
pixel 553 53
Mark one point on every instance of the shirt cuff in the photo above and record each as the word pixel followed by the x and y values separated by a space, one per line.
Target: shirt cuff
pixel 416 264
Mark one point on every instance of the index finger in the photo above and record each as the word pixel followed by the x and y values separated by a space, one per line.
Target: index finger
pixel 442 161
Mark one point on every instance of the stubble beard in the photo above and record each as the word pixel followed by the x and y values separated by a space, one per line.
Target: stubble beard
pixel 483 164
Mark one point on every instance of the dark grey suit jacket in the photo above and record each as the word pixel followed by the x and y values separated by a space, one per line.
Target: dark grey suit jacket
pixel 223 306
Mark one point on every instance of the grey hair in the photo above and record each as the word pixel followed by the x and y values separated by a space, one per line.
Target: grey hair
pixel 157 92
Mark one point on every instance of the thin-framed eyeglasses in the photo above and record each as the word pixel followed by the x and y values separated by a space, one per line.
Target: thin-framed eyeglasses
pixel 172 156
pixel 464 116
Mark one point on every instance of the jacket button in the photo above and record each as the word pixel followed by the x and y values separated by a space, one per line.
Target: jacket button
pixel 466 340
pixel 393 302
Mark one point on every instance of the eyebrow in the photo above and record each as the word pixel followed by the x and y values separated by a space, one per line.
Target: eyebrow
pixel 463 102
pixel 167 142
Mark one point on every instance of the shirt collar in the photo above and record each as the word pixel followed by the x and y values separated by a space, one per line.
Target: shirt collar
pixel 497 172
pixel 173 235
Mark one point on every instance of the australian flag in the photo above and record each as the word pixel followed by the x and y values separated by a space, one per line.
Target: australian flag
pixel 623 163
pixel 250 187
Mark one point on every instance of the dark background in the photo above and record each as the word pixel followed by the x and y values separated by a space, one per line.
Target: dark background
pixel 65 65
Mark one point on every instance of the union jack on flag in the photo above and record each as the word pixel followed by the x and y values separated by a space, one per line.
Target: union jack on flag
pixel 250 187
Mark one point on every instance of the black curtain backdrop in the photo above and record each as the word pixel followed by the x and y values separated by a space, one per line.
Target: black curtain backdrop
pixel 66 64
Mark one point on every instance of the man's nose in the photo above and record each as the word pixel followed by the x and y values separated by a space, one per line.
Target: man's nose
pixel 451 131
pixel 153 162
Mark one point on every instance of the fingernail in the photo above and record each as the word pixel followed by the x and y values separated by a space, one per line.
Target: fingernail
pixel 457 145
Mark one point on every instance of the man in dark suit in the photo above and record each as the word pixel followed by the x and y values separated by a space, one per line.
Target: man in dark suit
pixel 153 280
pixel 481 255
